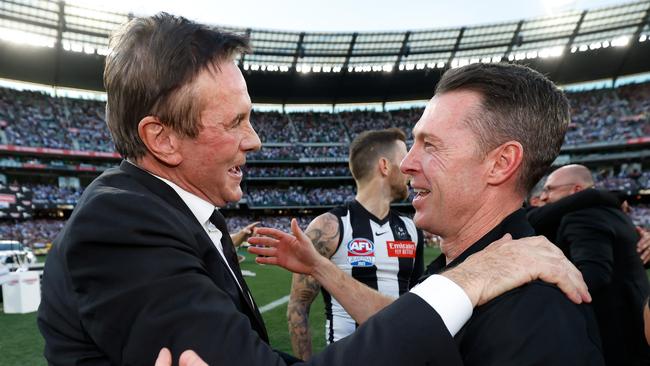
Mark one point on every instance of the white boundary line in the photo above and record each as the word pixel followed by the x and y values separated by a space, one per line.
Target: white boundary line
pixel 274 304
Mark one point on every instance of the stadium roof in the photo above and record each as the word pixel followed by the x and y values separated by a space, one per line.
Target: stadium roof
pixel 55 43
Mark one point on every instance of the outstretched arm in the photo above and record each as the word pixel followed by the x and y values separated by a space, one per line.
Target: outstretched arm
pixel 502 266
pixel 324 235
pixel 295 253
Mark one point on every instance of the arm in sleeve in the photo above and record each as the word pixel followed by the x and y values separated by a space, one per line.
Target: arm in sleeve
pixel 590 241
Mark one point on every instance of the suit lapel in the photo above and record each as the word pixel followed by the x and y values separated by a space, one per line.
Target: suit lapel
pixel 212 256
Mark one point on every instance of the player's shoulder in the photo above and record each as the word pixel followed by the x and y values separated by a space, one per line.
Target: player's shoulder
pixel 324 220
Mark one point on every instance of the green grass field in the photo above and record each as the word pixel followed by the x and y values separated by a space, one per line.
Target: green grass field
pixel 21 344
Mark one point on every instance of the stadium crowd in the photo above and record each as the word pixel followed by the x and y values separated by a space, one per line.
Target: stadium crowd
pixel 626 182
pixel 297 171
pixel 607 115
pixel 35 119
pixel 33 233
pixel 47 194
pixel 299 196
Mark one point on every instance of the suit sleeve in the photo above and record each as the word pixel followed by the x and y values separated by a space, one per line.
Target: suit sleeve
pixel 140 286
pixel 590 240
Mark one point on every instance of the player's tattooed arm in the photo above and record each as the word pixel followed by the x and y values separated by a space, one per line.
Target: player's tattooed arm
pixel 324 234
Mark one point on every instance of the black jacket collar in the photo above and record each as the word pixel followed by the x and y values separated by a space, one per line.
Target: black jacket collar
pixel 514 224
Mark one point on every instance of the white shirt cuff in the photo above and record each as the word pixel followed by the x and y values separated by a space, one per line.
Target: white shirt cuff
pixel 447 299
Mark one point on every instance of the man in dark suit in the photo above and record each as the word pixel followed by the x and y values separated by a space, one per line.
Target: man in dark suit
pixel 601 240
pixel 484 140
pixel 146 262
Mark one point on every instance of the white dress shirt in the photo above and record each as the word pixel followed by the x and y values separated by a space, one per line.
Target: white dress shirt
pixel 202 210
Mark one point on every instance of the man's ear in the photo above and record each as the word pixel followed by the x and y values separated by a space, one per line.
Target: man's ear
pixel 578 187
pixel 504 161
pixel 161 141
pixel 384 166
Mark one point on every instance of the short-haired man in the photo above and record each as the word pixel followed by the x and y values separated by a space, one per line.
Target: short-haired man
pixel 601 240
pixel 487 136
pixel 365 238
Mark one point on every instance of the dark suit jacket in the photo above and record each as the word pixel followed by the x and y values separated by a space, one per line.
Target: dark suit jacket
pixel 534 324
pixel 133 271
pixel 600 240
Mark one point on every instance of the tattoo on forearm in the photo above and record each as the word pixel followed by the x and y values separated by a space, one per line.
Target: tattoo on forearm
pixel 324 235
pixel 298 320
pixel 304 290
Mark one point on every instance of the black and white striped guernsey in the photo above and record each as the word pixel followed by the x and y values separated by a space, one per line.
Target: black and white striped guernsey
pixel 386 255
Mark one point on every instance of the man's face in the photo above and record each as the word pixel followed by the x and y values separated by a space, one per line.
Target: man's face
pixel 212 161
pixel 447 173
pixel 557 186
pixel 398 181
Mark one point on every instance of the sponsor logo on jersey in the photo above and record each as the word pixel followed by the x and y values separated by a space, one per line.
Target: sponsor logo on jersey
pixel 361 252
pixel 401 249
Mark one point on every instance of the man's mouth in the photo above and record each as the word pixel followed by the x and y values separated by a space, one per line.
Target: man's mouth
pixel 236 171
pixel 420 193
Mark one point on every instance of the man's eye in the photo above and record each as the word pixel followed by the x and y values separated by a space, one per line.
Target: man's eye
pixel 238 121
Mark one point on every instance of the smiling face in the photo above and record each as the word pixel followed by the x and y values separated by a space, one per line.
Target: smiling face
pixel 211 166
pixel 447 173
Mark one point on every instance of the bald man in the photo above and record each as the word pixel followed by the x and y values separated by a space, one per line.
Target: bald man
pixel 594 233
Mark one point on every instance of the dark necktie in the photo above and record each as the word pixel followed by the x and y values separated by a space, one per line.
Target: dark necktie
pixel 229 252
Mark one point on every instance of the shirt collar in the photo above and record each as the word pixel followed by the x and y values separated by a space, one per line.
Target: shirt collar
pixel 201 208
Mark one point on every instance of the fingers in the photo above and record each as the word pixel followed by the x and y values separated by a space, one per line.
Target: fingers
pixel 269 252
pixel 249 229
pixel 504 238
pixel 264 240
pixel 164 358
pixel 267 260
pixel 562 273
pixel 645 255
pixel 190 358
pixel 297 231
pixel 544 260
pixel 643 246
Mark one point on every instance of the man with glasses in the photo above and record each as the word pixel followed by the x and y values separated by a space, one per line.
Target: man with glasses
pixel 594 233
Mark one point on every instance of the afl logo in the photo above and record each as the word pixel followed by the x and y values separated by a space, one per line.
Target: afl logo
pixel 361 252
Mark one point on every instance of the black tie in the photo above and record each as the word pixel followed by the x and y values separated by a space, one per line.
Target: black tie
pixel 229 252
